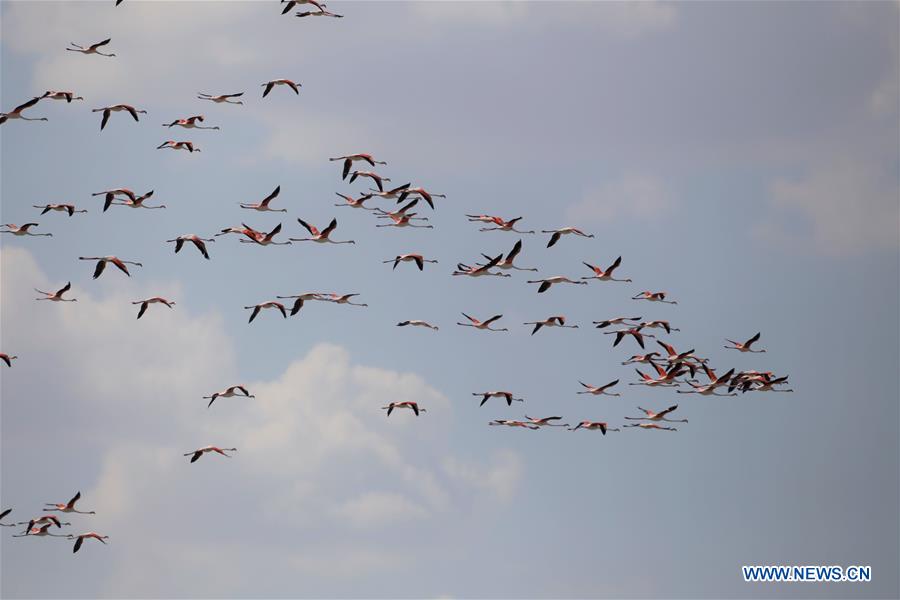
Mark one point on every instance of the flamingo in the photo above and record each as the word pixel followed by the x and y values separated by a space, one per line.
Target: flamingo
pixel 549 281
pixel 413 406
pixel 751 377
pixel 271 84
pixel 507 263
pixel 110 194
pixel 102 260
pixel 289 4
pixel 198 241
pixel 403 219
pixel 79 539
pixel 704 390
pixel 23 230
pixel 642 358
pixel 389 194
pixel 591 425
pixel 653 297
pixel 417 323
pixel 7 358
pixel 42 531
pixel 556 321
pixel 131 201
pixel 229 392
pixel 3 516
pixel 651 426
pixel 599 391
pixel 746 346
pixel 68 507
pixel 545 421
pixel 148 301
pixel 201 451
pixel 45 519
pixel 650 415
pixel 342 299
pixel 499 223
pixel 421 192
pixel 319 13
pixel 674 357
pixel 417 258
pixel 658 325
pixel 481 270
pixel 617 321
pixel 222 98
pixel 57 296
pixel 108 110
pixel 510 423
pixel 67 96
pixel 268 304
pixel 354 202
pixel 607 274
pixel 68 208
pixel 349 159
pixel 189 123
pixel 320 236
pixel 485 325
pixel 764 386
pixel 378 179
pixel 258 237
pixel 263 205
pixel 243 230
pixel 92 49
pixel 174 145
pixel 558 233
pixel 665 379
pixel 299 300
pixel 508 396
pixel 16 113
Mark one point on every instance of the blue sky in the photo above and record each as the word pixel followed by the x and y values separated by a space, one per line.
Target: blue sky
pixel 742 157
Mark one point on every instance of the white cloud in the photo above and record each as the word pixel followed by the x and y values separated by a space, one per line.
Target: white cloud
pixel 635 195
pixel 846 206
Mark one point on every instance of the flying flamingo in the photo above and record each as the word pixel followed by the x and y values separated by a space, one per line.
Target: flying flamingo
pixel 599 391
pixel 607 274
pixel 417 258
pixel 258 237
pixel 351 158
pixel 108 110
pixel 299 301
pixel 545 421
pixel 617 321
pixel 508 396
pixel 485 325
pixel 3 516
pixel 79 539
pixel 549 281
pixel 148 301
pixel 558 233
pixel 499 223
pixel 201 451
pixel 319 13
pixel 271 84
pixel 68 507
pixel 23 230
pixel 417 323
pixel 68 208
pixel 67 96
pixel 320 236
pixel 511 423
pixel 389 194
pixel 92 49
pixel 42 531
pixel 678 357
pixel 413 406
pixel 665 379
pixel 378 179
pixel 130 201
pixel 746 346
pixel 642 358
pixel 342 299
pixel 263 205
pixel 198 241
pixel 556 321
pixel 189 123
pixel 764 386
pixel 102 260
pixel 507 263
pixel 7 358
pixel 269 304
pixel 602 426
pixel 174 145
pixel 245 229
pixel 419 191
pixel 403 219
pixel 110 194
pixel 649 415
pixel 57 296
pixel 651 426
pixel 634 332
pixel 289 4
pixel 16 113
pixel 229 392
pixel 658 325
pixel 481 270
pixel 221 99
pixel 653 297
pixel 354 202
pixel 45 519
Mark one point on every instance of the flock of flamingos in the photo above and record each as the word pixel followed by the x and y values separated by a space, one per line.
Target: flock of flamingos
pixel 668 367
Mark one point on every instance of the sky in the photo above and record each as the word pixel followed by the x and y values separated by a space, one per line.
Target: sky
pixel 742 157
